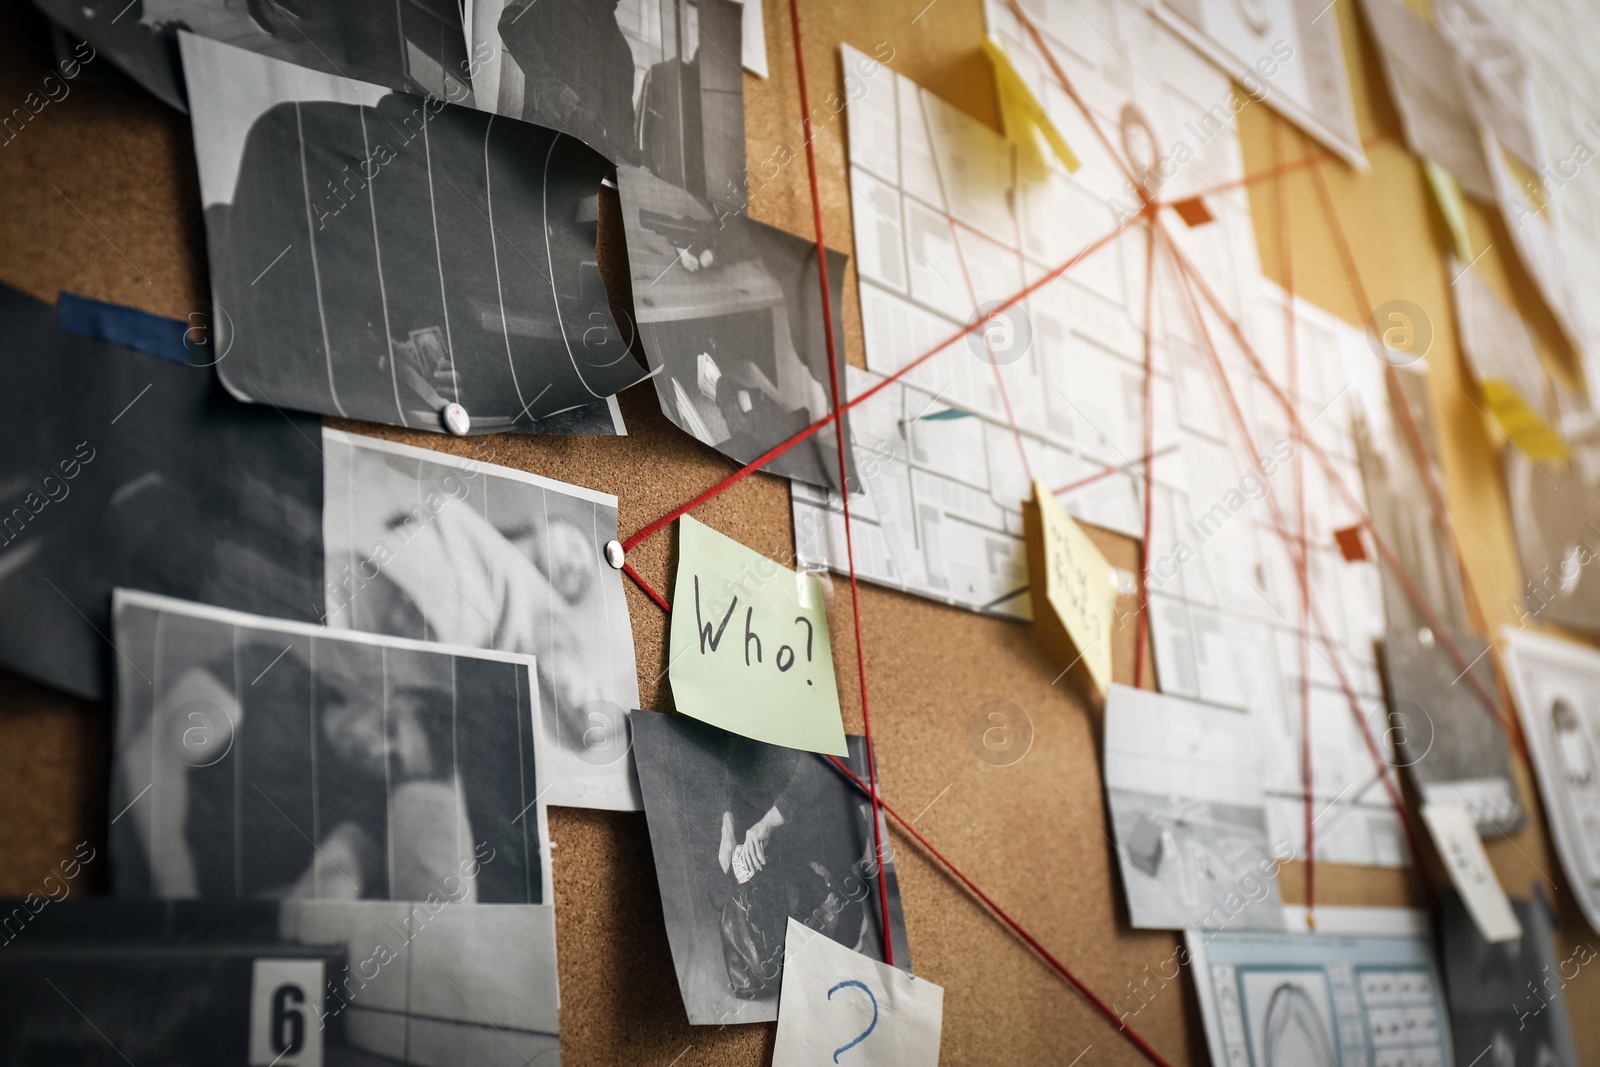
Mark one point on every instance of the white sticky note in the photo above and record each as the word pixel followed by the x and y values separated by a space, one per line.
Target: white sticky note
pixel 1455 835
pixel 838 1006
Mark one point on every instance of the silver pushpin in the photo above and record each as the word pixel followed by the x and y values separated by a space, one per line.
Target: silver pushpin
pixel 614 554
pixel 456 419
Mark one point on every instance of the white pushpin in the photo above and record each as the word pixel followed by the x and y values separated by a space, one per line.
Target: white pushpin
pixel 456 419
pixel 614 554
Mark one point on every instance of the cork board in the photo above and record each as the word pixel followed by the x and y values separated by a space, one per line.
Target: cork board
pixel 101 199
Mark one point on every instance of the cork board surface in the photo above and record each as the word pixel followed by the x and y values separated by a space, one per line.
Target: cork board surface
pixel 101 198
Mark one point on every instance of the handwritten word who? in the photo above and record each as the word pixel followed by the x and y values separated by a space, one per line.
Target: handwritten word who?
pixel 754 646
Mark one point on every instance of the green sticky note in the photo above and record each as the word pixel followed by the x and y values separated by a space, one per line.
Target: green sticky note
pixel 749 645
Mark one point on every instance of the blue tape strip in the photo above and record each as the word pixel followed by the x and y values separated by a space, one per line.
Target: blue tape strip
pixel 125 326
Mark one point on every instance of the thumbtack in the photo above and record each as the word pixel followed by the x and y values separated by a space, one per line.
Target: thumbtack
pixel 456 419
pixel 614 555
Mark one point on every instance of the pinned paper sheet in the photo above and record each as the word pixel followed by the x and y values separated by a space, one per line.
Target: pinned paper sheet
pixel 838 1006
pixel 1447 195
pixel 1074 588
pixel 749 645
pixel 1455 835
pixel 1027 122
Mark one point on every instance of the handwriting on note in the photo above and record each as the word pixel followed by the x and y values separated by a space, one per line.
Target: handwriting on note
pixel 749 645
pixel 1073 588
pixel 839 1006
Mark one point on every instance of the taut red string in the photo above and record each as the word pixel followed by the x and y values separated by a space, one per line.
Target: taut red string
pixel 1291 341
pixel 1028 939
pixel 867 394
pixel 844 477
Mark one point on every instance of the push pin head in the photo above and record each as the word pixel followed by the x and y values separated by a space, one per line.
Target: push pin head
pixel 1425 637
pixel 614 554
pixel 456 419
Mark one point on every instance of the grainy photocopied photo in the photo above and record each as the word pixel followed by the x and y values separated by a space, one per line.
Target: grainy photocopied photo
pixel 382 255
pixel 435 547
pixel 265 760
pixel 746 836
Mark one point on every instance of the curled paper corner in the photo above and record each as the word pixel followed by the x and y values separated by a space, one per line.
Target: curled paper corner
pixel 1026 120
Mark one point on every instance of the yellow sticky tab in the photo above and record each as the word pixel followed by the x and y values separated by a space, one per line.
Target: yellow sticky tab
pixel 1073 587
pixel 1025 117
pixel 1522 425
pixel 1447 195
pixel 749 645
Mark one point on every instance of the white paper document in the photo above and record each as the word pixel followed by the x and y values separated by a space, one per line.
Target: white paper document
pixel 838 1006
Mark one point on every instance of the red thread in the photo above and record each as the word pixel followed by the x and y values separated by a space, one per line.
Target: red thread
pixel 1291 342
pixel 1419 457
pixel 779 449
pixel 661 601
pixel 1000 913
pixel 843 445
pixel 1192 281
pixel 1141 633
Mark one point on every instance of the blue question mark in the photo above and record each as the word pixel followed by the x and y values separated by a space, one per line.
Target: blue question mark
pixel 846 1047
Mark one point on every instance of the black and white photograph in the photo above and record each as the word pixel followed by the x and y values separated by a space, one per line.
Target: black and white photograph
pixel 1444 734
pixel 417 47
pixel 730 314
pixel 648 83
pixel 293 983
pixel 435 547
pixel 265 760
pixel 389 257
pixel 747 835
pixel 1184 799
pixel 1556 684
pixel 153 478
pixel 728 309
pixel 1507 1001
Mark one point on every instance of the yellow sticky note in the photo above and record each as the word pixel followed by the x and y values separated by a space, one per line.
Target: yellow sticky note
pixel 1447 195
pixel 749 645
pixel 1073 587
pixel 1025 118
pixel 1522 425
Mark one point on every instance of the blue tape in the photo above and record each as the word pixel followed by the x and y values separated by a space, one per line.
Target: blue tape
pixel 125 326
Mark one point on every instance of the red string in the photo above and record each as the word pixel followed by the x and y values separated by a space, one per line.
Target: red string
pixel 1000 913
pixel 843 449
pixel 988 346
pixel 1192 281
pixel 1291 343
pixel 1419 458
pixel 867 394
pixel 1060 968
pixel 661 601
pixel 1141 632
pixel 1312 160
pixel 1107 470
